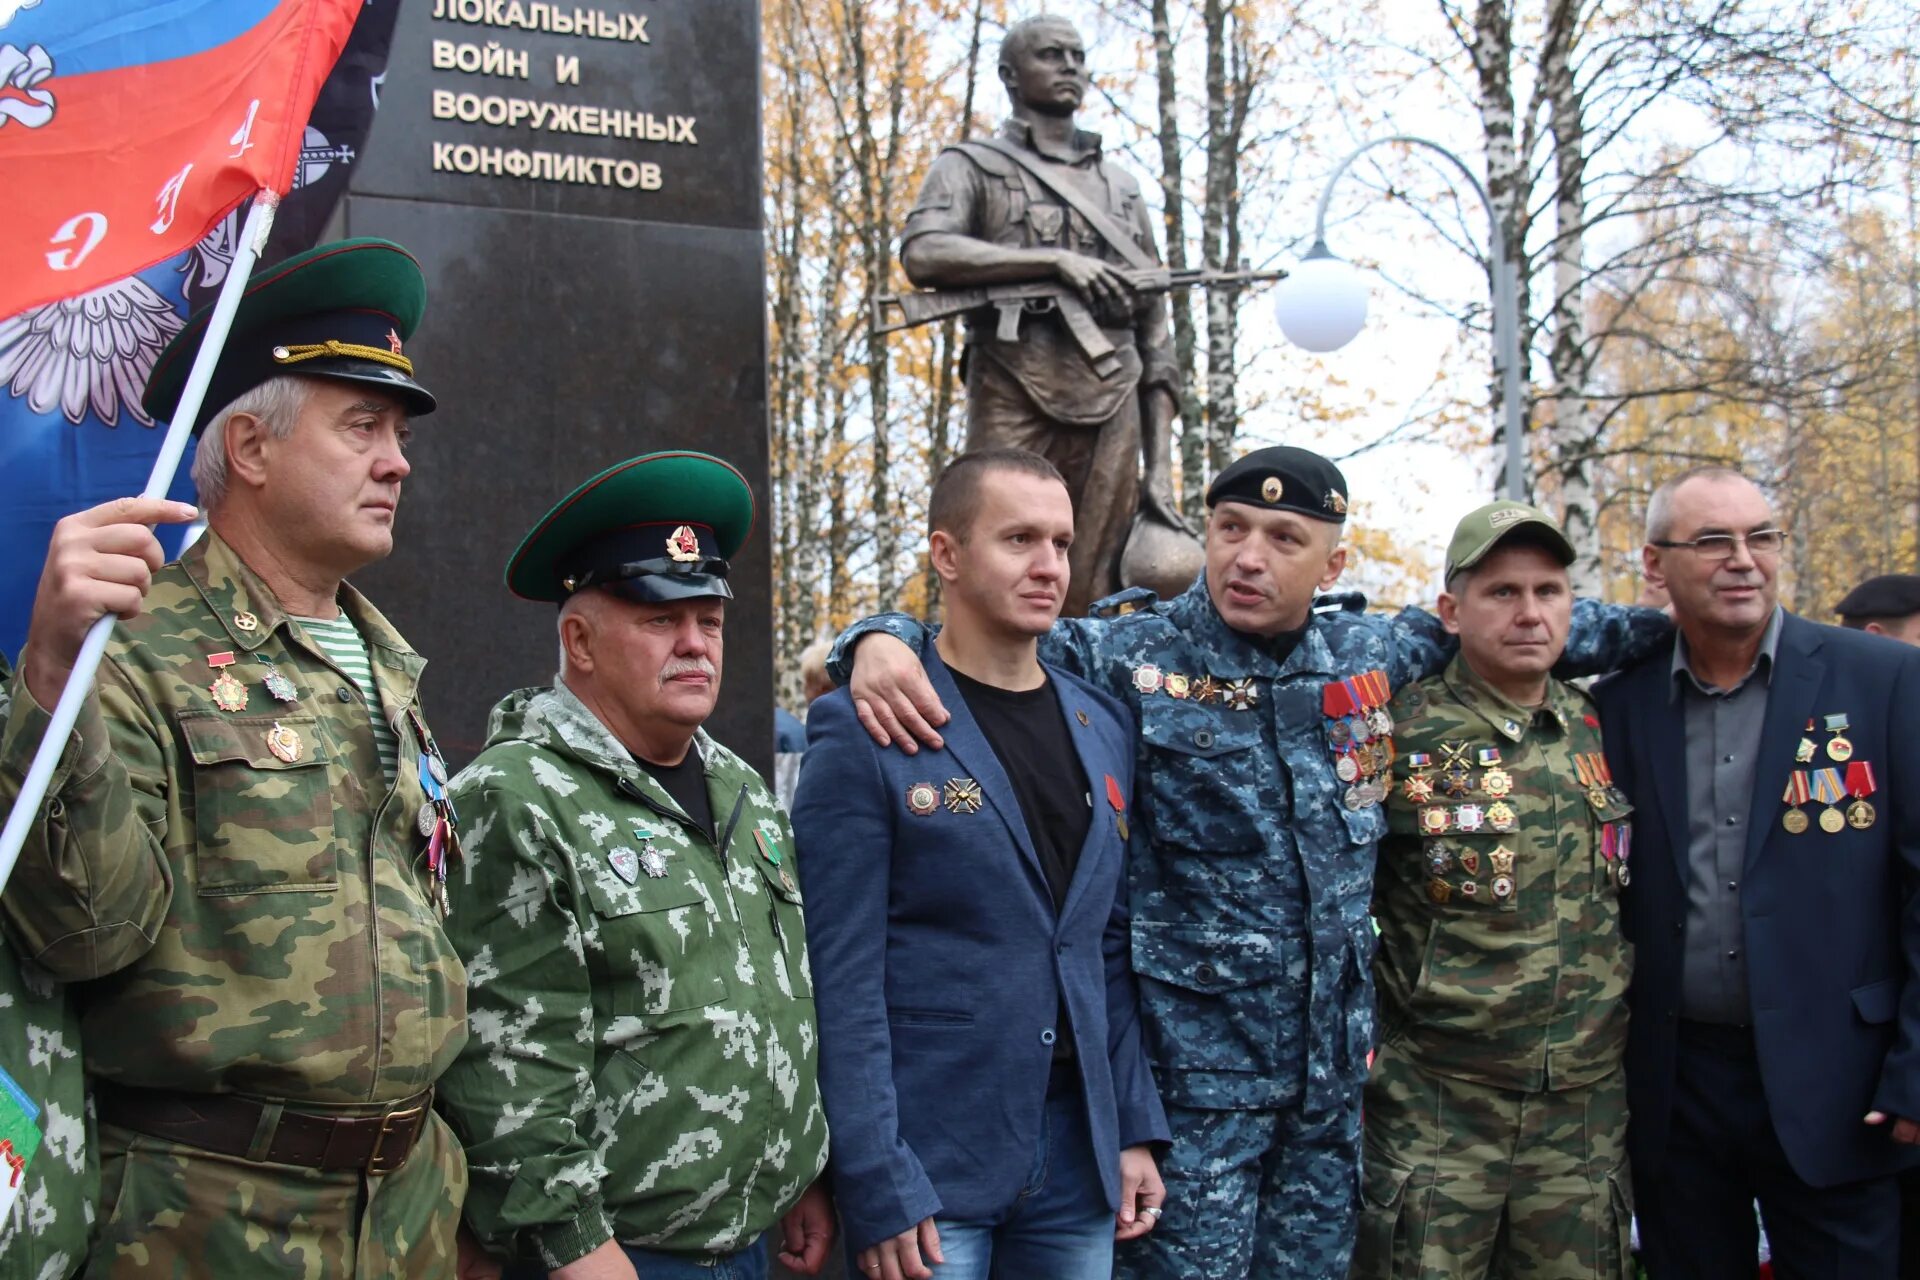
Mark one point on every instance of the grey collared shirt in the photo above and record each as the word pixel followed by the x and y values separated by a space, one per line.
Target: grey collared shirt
pixel 1723 736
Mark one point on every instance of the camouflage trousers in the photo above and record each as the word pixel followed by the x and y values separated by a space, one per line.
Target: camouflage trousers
pixel 1466 1181
pixel 1270 1195
pixel 174 1211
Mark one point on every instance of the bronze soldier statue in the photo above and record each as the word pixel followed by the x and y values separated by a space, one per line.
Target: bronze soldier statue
pixel 1084 376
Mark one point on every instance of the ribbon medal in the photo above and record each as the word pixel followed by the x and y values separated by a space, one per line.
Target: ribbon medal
pixel 228 694
pixel 1118 803
pixel 1860 785
pixel 1839 749
pixel 1798 793
pixel 1827 790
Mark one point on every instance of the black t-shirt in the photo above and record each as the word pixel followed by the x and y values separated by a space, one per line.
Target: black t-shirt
pixel 1028 733
pixel 686 782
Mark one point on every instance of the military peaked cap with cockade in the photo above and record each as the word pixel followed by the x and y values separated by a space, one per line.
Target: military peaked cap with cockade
pixel 655 528
pixel 340 311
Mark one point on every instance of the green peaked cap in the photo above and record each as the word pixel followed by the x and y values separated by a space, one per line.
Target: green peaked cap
pixel 637 512
pixel 364 296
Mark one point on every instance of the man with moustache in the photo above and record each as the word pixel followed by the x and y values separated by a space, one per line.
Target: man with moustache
pixel 227 868
pixel 1496 1116
pixel 1774 1047
pixel 639 1091
pixel 991 1103
pixel 1264 754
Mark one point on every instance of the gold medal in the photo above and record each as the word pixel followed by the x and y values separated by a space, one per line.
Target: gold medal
pixel 228 694
pixel 1860 815
pixel 1436 820
pixel 1205 689
pixel 1419 789
pixel 1496 782
pixel 1502 861
pixel 285 743
pixel 1794 820
pixel 1176 685
pixel 1832 820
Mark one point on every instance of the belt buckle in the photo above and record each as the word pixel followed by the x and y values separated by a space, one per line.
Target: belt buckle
pixel 376 1163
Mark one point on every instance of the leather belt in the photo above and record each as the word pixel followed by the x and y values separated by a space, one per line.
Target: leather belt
pixel 231 1125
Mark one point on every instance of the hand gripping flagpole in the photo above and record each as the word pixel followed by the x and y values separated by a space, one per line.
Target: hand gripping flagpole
pixel 26 806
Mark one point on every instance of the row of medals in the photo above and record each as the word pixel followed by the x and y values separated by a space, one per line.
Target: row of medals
pixel 1235 695
pixel 231 696
pixel 1859 815
pixel 1456 780
pixel 1365 755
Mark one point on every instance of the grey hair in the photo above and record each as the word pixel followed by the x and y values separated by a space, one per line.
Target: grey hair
pixel 1660 505
pixel 277 402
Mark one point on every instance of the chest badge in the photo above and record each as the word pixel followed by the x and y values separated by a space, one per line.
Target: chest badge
pixel 228 694
pixel 962 795
pixel 1147 678
pixel 279 687
pixel 625 864
pixel 922 799
pixel 285 743
pixel 653 862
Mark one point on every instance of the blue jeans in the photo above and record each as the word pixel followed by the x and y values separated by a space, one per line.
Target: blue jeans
pixel 1058 1227
pixel 749 1263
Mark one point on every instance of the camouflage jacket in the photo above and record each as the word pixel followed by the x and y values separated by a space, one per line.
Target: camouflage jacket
pixel 1501 958
pixel 238 921
pixel 643 1064
pixel 1251 887
pixel 46 1236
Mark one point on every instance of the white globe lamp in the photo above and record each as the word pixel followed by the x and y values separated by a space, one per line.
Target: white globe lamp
pixel 1322 304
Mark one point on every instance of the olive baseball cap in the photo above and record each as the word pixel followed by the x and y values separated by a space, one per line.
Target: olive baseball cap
pixel 1484 528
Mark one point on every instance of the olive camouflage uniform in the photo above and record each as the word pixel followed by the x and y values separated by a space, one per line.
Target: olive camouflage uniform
pixel 1502 977
pixel 643 1064
pixel 240 923
pixel 45 1238
pixel 1249 887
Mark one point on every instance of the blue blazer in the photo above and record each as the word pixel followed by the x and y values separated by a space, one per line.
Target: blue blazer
pixel 940 965
pixel 1832 922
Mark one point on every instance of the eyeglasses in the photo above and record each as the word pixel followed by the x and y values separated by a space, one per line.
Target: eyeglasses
pixel 1719 546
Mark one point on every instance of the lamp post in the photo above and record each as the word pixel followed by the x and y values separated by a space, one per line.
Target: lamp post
pixel 1322 305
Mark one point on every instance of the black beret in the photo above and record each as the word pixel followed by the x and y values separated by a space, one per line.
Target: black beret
pixel 1891 595
pixel 1284 478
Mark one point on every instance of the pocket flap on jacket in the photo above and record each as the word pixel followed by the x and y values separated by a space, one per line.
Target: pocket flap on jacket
pixel 1205 959
pixel 1877 1001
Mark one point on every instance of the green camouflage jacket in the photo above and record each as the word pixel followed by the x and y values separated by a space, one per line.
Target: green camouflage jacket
pixel 240 918
pixel 46 1236
pixel 644 1049
pixel 1501 959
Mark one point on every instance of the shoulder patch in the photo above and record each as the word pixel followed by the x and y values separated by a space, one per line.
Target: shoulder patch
pixel 1121 603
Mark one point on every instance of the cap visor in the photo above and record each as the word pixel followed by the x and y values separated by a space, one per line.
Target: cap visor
pixel 665 588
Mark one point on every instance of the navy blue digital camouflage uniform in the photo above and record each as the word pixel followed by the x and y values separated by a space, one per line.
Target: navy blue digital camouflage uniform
pixel 1249 896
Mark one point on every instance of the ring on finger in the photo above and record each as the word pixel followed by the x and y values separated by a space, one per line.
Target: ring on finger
pixel 1153 1209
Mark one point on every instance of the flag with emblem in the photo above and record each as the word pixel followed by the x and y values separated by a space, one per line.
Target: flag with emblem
pixel 72 430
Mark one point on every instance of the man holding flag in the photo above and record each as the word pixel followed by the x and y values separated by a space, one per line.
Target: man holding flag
pixel 241 853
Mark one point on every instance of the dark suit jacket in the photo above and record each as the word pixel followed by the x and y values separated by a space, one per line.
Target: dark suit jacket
pixel 940 966
pixel 1832 922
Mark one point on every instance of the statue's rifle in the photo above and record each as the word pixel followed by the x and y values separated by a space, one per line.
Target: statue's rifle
pixel 893 312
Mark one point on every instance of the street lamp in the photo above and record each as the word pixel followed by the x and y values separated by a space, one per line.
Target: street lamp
pixel 1322 305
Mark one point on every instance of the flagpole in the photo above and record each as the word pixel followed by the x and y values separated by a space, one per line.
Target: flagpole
pixel 26 806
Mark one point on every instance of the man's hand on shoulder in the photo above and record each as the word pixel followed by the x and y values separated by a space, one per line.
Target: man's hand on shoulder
pixel 100 561
pixel 892 695
pixel 608 1262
